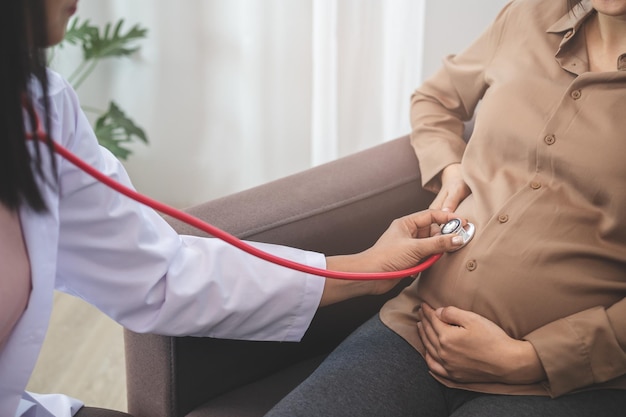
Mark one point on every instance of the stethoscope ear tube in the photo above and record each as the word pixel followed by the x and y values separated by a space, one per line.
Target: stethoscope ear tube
pixel 234 241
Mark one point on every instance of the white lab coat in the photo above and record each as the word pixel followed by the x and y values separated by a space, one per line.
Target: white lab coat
pixel 124 259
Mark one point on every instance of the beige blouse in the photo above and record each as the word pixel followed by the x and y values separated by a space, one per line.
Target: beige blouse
pixel 547 168
pixel 15 282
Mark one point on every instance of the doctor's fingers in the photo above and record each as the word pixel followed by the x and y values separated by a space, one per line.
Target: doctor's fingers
pixel 420 223
pixel 423 247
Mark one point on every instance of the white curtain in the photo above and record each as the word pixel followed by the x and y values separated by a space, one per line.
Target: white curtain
pixel 235 93
pixel 367 59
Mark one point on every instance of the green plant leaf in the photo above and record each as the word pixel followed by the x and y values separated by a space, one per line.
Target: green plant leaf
pixel 115 130
pixel 79 34
pixel 111 44
pixel 116 149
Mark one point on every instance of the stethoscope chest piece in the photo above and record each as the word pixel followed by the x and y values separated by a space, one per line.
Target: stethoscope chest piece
pixel 455 226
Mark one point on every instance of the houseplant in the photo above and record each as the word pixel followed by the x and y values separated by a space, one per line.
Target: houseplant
pixel 113 128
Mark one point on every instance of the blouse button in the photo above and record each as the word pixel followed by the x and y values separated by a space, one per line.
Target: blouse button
pixel 550 139
pixel 535 185
pixel 503 218
pixel 471 265
pixel 575 94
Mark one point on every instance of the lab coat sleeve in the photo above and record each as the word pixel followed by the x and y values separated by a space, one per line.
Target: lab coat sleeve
pixel 126 260
pixel 583 349
pixel 441 105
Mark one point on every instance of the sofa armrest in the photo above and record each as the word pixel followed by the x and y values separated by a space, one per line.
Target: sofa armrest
pixel 336 208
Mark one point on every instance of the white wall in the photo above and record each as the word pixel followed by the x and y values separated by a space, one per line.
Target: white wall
pixel 194 122
pixel 451 25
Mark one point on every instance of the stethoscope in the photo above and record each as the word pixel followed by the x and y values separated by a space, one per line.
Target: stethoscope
pixel 454 226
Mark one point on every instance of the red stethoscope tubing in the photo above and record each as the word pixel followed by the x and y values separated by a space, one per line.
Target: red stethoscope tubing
pixel 220 234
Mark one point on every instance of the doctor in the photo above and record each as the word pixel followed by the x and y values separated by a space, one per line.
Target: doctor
pixel 60 229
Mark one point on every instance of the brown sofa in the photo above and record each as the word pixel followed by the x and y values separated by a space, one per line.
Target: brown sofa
pixel 339 207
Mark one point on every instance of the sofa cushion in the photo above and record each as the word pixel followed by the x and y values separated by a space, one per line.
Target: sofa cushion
pixel 257 398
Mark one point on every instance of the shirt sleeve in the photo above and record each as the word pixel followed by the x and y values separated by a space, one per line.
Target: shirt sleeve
pixel 446 100
pixel 583 349
pixel 126 260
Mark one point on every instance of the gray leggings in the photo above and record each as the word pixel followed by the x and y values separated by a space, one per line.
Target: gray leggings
pixel 377 373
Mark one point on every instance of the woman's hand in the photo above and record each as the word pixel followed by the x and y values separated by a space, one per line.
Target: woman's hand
pixel 453 189
pixel 403 245
pixel 465 347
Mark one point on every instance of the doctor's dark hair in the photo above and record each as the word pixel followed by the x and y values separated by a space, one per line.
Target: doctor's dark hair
pixel 22 25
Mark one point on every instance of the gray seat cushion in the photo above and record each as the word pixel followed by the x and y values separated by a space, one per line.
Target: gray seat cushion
pixel 257 398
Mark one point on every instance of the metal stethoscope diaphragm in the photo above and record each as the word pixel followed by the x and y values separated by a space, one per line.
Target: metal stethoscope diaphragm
pixel 455 226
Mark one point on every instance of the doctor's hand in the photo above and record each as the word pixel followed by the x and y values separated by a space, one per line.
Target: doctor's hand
pixel 406 242
pixel 453 189
pixel 465 347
